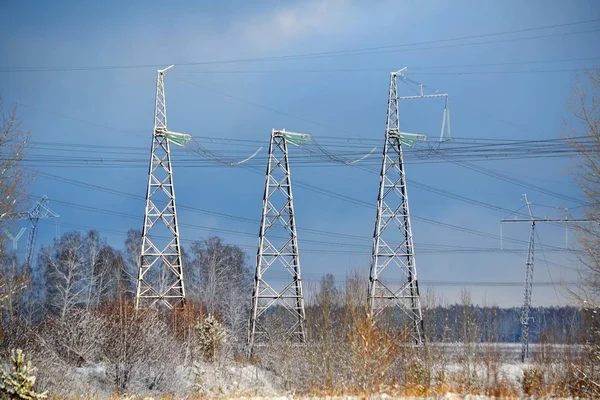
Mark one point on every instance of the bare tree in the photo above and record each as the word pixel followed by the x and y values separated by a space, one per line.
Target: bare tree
pixel 14 178
pixel 14 279
pixel 212 262
pixel 133 249
pixel 95 271
pixel 106 275
pixel 585 106
pixel 235 310
pixel 65 273
pixel 222 271
pixel 13 282
pixel 14 181
pixel 119 281
pixel 321 323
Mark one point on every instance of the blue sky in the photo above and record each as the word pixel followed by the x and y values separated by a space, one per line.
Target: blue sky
pixel 337 95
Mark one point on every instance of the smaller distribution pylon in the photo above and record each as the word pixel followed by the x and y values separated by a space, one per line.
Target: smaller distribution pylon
pixel 277 281
pixel 525 319
pixel 528 287
pixel 40 210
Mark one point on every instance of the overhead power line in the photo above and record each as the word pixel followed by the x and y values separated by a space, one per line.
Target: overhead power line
pixel 328 54
pixel 325 192
pixel 417 69
pixel 456 152
pixel 423 248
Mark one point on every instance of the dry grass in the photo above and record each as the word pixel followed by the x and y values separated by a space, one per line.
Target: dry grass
pixel 348 354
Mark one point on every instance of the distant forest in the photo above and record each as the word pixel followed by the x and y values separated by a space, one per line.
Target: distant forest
pixel 547 324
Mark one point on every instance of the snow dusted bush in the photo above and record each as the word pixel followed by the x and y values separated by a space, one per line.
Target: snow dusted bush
pixel 19 383
pixel 211 335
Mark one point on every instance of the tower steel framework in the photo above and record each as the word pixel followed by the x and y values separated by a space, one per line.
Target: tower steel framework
pixel 393 258
pixel 160 271
pixel 278 251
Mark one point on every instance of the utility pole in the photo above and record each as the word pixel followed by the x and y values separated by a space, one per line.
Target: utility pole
pixel 393 257
pixel 278 251
pixel 40 210
pixel 160 271
pixel 527 292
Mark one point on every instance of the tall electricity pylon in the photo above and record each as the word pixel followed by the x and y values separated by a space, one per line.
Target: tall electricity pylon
pixel 393 250
pixel 40 210
pixel 160 271
pixel 278 250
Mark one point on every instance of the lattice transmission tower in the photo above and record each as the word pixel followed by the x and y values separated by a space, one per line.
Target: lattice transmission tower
pixel 393 281
pixel 278 254
pixel 160 270
pixel 40 210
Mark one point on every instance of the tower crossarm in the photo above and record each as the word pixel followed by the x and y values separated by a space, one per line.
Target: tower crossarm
pixel 39 210
pixel 445 131
pixel 17 216
pixel 423 96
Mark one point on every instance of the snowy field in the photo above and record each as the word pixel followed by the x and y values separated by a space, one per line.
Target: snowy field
pixel 237 380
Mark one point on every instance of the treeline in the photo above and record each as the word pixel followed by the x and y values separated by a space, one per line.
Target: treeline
pixel 82 271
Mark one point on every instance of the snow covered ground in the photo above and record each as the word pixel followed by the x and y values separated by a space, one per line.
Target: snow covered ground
pixel 228 379
pixel 240 381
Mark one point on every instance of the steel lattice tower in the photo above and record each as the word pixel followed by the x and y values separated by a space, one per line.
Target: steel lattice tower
pixel 393 278
pixel 278 250
pixel 160 271
pixel 528 287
